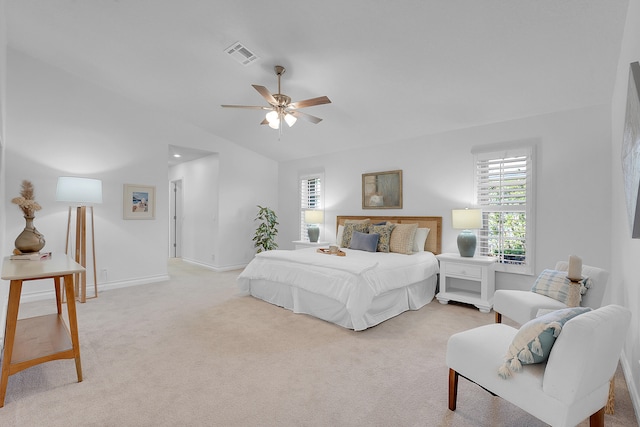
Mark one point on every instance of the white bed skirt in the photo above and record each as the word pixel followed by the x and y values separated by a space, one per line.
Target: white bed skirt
pixel 383 307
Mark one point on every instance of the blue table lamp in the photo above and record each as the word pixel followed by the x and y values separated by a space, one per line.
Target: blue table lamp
pixel 466 220
pixel 312 218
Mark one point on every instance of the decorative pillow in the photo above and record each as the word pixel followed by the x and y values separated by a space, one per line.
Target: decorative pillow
pixel 339 235
pixel 533 342
pixel 402 238
pixel 357 221
pixel 348 232
pixel 555 284
pixel 420 239
pixel 364 241
pixel 385 235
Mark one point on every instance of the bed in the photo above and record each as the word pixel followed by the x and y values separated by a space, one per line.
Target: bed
pixel 355 291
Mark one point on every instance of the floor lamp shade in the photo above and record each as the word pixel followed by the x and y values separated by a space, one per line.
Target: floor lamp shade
pixel 313 218
pixel 466 220
pixel 81 192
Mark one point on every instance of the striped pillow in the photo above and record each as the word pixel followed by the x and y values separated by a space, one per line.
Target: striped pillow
pixel 555 284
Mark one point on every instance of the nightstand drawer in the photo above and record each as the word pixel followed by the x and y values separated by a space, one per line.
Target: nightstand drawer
pixel 470 271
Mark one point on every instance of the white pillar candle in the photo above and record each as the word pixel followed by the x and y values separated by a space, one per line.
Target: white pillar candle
pixel 575 268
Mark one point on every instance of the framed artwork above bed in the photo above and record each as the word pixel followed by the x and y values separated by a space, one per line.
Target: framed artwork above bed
pixel 382 190
pixel 631 150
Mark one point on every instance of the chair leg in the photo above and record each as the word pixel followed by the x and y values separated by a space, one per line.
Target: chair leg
pixel 597 419
pixel 498 317
pixel 453 389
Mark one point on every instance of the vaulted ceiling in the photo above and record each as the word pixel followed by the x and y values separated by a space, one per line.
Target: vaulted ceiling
pixel 393 69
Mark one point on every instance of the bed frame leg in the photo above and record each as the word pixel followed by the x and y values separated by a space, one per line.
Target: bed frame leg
pixel 453 389
pixel 498 317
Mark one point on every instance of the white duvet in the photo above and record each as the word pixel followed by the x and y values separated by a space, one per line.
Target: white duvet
pixel 354 279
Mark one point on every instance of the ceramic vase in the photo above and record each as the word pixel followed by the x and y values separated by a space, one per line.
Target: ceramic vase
pixel 30 240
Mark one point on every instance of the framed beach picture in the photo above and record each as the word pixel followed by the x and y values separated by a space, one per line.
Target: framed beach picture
pixel 382 190
pixel 139 201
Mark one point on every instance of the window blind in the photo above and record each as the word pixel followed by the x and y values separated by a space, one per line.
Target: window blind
pixel 504 182
pixel 310 198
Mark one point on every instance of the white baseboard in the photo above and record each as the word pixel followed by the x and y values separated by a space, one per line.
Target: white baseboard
pixel 631 385
pixel 50 294
pixel 211 267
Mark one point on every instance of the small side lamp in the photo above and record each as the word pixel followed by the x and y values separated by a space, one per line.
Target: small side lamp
pixel 312 218
pixel 466 220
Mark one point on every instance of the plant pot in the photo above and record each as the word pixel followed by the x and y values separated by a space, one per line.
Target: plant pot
pixel 30 240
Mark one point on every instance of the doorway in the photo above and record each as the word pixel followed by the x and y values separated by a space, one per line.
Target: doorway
pixel 175 248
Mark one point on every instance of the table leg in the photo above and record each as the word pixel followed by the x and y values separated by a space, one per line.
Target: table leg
pixel 56 280
pixel 73 321
pixel 9 335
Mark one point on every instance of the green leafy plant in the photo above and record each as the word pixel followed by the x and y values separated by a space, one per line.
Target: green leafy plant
pixel 264 239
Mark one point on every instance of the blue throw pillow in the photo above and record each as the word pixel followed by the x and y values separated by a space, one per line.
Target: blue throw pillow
pixel 534 340
pixel 364 241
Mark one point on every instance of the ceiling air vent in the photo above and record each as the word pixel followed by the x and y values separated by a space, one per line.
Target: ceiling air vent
pixel 241 54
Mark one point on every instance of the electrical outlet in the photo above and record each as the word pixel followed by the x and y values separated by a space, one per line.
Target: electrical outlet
pixel 213 257
pixel 103 274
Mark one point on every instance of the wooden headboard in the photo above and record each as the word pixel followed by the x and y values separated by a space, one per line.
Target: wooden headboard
pixel 433 223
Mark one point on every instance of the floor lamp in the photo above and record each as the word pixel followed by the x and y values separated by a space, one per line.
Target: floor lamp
pixel 81 192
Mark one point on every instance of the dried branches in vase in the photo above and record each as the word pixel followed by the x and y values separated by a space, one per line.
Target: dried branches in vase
pixel 30 240
pixel 26 202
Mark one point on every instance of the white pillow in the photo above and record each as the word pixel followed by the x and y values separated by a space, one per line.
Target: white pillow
pixel 339 235
pixel 420 239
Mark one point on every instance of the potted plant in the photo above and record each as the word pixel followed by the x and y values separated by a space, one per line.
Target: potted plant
pixel 264 239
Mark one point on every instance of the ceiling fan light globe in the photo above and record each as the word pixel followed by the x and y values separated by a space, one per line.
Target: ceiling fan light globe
pixel 275 124
pixel 272 116
pixel 290 119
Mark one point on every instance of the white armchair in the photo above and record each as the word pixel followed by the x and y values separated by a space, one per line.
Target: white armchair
pixel 522 306
pixel 571 386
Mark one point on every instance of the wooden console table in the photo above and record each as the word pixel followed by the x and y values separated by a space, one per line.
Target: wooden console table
pixel 29 342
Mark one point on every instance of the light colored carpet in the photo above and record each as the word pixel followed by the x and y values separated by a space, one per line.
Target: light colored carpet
pixel 190 352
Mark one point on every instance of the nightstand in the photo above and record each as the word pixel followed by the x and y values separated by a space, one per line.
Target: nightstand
pixel 301 244
pixel 473 269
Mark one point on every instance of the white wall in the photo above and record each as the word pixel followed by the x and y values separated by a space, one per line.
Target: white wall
pixel 573 183
pixel 58 124
pixel 4 290
pixel 625 251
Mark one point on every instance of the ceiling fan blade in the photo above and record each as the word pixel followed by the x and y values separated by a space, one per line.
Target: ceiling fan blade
pixel 310 102
pixel 251 107
pixel 266 94
pixel 304 116
pixel 264 122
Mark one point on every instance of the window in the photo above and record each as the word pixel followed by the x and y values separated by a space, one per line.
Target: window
pixel 310 198
pixel 504 191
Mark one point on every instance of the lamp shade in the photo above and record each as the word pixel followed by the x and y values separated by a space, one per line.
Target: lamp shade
pixel 313 217
pixel 466 219
pixel 79 190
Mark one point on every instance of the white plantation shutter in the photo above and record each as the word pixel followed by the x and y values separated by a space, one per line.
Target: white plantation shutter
pixel 310 198
pixel 504 191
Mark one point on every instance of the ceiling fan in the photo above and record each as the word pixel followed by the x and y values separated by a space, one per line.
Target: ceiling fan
pixel 280 106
